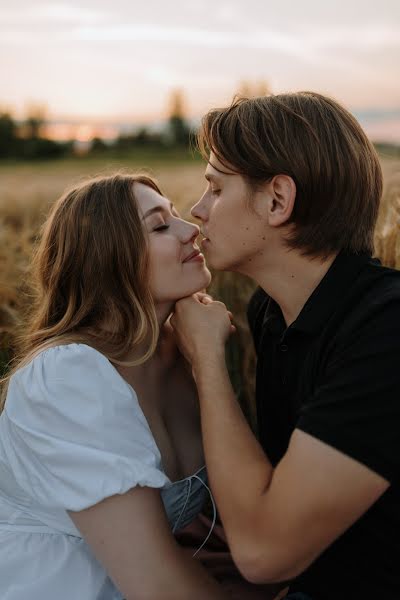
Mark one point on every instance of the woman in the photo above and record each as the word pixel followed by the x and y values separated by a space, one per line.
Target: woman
pixel 100 443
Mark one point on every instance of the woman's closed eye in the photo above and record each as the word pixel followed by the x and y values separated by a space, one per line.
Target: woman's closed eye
pixel 161 228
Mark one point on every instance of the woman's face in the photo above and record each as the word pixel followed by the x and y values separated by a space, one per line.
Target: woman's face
pixel 177 267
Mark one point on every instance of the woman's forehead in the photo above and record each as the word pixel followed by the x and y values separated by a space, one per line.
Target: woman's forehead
pixel 150 201
pixel 147 197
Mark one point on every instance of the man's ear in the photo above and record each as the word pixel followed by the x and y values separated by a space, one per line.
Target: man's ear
pixel 282 196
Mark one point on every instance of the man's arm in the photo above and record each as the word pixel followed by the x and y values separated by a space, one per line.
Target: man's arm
pixel 276 521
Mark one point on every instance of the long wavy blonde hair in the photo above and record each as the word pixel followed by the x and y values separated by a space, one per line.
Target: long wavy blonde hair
pixel 89 276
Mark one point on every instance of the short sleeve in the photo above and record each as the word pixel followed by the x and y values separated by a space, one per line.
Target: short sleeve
pixel 356 404
pixel 75 433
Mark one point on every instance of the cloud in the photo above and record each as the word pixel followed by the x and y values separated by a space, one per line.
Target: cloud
pixel 304 41
pixel 50 13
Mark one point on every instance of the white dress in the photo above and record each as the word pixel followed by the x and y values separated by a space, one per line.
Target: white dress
pixel 72 433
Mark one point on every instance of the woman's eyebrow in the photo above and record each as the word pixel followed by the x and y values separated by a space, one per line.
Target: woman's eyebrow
pixel 156 209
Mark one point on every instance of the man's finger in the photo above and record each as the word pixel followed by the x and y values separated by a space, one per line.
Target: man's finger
pixel 203 296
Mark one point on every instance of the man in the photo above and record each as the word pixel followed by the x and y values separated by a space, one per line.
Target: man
pixel 293 193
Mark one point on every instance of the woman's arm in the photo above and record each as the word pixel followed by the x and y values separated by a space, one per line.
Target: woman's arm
pixel 129 534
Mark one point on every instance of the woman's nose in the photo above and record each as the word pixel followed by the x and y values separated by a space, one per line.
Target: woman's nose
pixel 195 231
pixel 191 232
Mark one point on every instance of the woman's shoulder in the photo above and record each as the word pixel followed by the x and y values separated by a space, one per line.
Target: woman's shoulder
pixel 77 430
pixel 70 361
pixel 66 352
pixel 71 377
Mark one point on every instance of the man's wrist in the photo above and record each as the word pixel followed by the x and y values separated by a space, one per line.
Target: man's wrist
pixel 206 361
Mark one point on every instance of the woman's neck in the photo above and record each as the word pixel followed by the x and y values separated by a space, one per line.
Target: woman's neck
pixel 163 311
pixel 166 351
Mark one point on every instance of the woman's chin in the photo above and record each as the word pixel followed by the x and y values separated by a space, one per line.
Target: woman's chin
pixel 200 282
pixel 183 287
pixel 198 286
pixel 207 278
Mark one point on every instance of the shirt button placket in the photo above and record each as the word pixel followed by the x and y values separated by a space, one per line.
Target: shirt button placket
pixel 284 348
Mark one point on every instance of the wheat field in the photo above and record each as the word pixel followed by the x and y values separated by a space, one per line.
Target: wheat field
pixel 28 190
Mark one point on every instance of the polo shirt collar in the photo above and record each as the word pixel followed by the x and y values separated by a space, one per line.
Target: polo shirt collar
pixel 324 299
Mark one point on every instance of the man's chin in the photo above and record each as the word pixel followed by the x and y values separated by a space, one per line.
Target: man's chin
pixel 216 263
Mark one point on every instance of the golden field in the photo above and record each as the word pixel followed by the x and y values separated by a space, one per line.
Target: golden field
pixel 27 190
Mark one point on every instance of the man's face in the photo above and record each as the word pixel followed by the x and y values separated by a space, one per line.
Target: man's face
pixel 234 233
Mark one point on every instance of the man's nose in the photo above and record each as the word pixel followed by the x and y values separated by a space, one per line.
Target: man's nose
pixel 199 210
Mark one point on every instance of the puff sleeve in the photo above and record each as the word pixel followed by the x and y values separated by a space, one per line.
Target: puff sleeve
pixel 75 433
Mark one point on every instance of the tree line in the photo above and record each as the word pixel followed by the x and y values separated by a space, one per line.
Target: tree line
pixel 26 140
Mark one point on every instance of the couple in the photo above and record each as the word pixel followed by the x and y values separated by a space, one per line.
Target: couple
pixel 101 449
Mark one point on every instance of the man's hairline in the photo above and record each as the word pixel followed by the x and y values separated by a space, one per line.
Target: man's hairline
pixel 220 170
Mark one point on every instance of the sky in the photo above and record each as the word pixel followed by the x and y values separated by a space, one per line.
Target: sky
pixel 101 63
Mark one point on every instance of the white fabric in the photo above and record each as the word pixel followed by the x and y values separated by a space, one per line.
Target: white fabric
pixel 72 433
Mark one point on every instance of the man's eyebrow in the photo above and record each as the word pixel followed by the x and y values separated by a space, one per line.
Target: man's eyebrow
pixel 210 177
pixel 156 209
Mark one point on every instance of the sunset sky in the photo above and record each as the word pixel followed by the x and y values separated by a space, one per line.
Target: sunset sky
pixel 101 63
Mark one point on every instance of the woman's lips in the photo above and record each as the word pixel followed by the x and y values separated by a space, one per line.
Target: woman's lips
pixel 198 258
pixel 195 256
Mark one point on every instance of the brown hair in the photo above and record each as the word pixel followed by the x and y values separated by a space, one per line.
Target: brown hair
pixel 90 272
pixel 322 147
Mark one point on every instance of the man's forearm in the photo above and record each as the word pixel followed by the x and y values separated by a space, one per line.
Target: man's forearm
pixel 238 469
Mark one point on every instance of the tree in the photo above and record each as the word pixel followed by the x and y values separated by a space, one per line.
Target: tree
pixel 263 88
pixel 254 89
pixel 34 122
pixel 179 130
pixel 8 135
pixel 98 145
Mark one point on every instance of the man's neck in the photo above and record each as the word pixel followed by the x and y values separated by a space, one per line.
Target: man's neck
pixel 291 280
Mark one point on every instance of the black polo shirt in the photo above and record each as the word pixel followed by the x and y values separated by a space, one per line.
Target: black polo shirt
pixel 335 374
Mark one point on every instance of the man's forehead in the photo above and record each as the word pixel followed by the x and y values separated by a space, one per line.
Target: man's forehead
pixel 215 169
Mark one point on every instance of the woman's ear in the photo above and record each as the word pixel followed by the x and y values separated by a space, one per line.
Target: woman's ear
pixel 282 196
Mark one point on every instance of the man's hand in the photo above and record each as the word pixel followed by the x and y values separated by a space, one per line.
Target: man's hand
pixel 201 325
